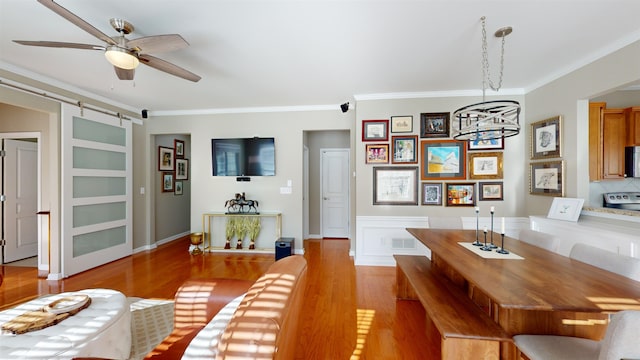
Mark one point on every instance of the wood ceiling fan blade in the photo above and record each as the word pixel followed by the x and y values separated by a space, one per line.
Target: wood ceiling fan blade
pixel 124 74
pixel 74 19
pixel 168 67
pixel 158 43
pixel 58 44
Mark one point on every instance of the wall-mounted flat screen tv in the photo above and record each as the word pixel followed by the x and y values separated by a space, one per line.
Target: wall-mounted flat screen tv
pixel 243 157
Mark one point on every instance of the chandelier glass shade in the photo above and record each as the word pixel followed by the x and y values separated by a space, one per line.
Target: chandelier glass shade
pixel 122 58
pixel 489 119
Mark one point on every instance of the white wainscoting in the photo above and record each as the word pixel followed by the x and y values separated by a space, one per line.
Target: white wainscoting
pixel 606 234
pixel 378 238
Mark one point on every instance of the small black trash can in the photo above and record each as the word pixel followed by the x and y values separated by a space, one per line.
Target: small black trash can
pixel 284 247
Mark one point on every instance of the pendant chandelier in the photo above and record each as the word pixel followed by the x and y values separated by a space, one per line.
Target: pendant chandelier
pixel 489 119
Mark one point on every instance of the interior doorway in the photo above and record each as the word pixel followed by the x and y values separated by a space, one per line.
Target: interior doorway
pixel 315 142
pixel 20 196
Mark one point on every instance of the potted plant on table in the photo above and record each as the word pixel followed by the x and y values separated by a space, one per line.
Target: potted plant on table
pixel 254 230
pixel 230 229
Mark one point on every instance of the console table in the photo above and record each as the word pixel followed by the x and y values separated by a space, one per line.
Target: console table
pixel 101 330
pixel 208 238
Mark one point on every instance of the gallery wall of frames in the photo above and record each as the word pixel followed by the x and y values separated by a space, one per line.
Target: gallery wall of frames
pixel 173 167
pixel 423 165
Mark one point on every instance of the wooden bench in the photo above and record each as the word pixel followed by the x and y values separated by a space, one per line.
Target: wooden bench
pixel 465 331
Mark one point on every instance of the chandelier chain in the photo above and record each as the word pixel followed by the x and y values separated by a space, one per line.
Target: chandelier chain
pixel 486 74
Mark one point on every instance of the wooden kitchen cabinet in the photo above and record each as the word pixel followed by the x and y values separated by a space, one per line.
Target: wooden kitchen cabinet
pixel 633 126
pixel 595 140
pixel 607 140
pixel 614 140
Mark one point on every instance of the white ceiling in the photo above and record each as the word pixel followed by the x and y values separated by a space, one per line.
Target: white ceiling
pixel 268 53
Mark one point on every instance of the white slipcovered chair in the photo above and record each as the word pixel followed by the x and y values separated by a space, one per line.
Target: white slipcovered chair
pixel 539 239
pixel 620 342
pixel 445 222
pixel 607 260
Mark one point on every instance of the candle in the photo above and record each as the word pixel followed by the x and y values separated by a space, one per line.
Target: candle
pixel 485 229
pixel 492 209
pixel 477 209
pixel 503 225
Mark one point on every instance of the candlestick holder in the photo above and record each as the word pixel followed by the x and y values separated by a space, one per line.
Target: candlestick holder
pixel 485 247
pixel 492 246
pixel 502 250
pixel 477 242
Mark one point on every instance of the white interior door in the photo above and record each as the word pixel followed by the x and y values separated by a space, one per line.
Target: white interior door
pixel 334 165
pixel 20 224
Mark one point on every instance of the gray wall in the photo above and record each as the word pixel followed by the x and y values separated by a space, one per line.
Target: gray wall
pixel 569 96
pixel 513 182
pixel 209 193
pixel 172 212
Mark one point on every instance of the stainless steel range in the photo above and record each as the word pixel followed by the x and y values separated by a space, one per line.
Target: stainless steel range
pixel 622 200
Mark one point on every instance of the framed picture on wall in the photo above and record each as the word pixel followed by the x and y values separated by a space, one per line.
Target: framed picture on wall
pixel 434 125
pixel 182 169
pixel 484 143
pixel 490 191
pixel 375 130
pixel 545 138
pixel 178 145
pixel 395 185
pixel 178 188
pixel 546 178
pixel 461 194
pixel 444 159
pixel 431 193
pixel 402 124
pixel 485 165
pixel 165 159
pixel 167 181
pixel 404 149
pixel 377 153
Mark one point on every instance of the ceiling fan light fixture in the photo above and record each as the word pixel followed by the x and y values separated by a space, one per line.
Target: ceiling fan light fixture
pixel 122 58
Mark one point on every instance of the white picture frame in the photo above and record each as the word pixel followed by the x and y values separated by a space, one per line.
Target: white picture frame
pixel 567 209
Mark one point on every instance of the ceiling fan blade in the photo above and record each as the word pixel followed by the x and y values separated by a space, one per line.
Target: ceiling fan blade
pixel 168 67
pixel 124 74
pixel 158 43
pixel 73 18
pixel 57 44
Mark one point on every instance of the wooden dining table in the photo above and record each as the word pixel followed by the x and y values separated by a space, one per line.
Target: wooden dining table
pixel 533 290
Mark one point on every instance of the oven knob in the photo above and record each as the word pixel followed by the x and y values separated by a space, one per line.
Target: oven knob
pixel 626 197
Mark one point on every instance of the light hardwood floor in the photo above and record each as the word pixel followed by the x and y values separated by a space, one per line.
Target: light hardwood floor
pixel 350 312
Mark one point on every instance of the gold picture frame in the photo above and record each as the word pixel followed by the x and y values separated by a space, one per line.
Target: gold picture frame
pixel 485 165
pixel 546 138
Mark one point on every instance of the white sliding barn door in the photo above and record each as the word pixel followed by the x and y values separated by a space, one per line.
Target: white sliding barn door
pixel 96 189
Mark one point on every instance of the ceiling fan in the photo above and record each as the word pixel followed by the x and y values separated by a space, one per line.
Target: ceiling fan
pixel 122 53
